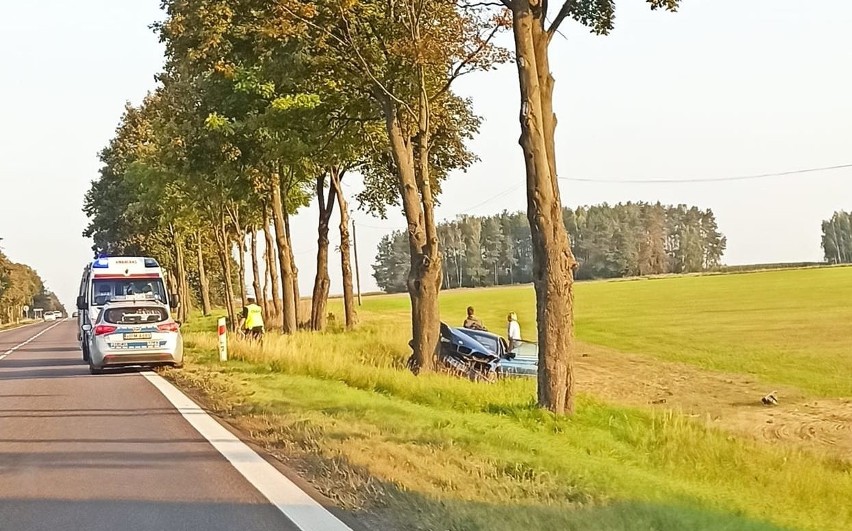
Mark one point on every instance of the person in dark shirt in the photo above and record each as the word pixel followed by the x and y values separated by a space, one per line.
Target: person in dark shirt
pixel 472 322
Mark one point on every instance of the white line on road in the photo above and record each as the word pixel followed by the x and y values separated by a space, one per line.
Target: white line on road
pixel 28 341
pixel 301 509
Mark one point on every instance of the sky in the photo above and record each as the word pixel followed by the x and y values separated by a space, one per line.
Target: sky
pixel 722 88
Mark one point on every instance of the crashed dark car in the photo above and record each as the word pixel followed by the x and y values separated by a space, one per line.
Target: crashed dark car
pixel 463 355
pixel 521 359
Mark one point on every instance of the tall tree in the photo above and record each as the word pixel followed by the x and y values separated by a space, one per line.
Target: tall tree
pixel 322 282
pixel 534 28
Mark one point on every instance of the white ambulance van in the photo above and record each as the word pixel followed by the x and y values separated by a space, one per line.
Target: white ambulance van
pixel 117 276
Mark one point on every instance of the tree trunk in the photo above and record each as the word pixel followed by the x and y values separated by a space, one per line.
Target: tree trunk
pixel 553 270
pixel 240 240
pixel 424 278
pixel 241 265
pixel 183 284
pixel 255 274
pixel 266 273
pixel 202 276
pixel 271 265
pixel 322 282
pixel 296 296
pixel 288 300
pixel 349 312
pixel 223 250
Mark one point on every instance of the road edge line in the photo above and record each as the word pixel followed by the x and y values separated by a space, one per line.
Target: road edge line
pixel 305 512
pixel 28 341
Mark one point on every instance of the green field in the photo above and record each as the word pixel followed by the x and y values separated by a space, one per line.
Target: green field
pixel 790 327
pixel 461 455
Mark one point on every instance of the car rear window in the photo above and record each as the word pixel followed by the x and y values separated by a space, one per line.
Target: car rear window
pixel 129 316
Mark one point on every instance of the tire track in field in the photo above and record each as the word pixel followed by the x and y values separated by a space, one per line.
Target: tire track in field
pixel 728 401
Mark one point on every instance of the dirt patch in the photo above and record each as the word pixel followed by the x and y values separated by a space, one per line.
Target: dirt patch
pixel 729 401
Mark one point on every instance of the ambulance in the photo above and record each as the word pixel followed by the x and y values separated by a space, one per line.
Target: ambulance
pixel 111 277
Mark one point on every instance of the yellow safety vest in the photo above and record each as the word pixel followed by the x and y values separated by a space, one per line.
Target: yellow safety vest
pixel 254 318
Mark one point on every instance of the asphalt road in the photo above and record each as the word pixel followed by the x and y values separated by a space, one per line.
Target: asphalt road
pixel 107 452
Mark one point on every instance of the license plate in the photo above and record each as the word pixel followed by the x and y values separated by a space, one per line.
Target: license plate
pixel 144 335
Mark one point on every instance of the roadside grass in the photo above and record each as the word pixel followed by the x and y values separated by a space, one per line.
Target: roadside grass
pixel 10 326
pixel 435 452
pixel 471 456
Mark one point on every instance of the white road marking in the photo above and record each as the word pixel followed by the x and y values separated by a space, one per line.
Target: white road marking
pixel 28 341
pixel 297 506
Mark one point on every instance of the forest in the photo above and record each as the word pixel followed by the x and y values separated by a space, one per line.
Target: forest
pixel 631 239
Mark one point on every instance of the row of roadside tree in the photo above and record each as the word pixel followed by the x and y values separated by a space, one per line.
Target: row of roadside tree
pixel 264 106
pixel 21 287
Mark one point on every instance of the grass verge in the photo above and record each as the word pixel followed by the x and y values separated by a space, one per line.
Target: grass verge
pixel 11 326
pixel 432 452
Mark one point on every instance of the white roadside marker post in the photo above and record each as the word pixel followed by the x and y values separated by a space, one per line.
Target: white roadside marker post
pixel 223 339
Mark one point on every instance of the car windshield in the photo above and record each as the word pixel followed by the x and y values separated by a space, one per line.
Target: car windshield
pixel 103 290
pixel 135 315
pixel 486 340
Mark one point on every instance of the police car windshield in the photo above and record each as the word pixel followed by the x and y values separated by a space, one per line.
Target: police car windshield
pixel 135 315
pixel 104 290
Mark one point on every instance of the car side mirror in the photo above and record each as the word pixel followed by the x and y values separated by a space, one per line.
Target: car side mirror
pixel 174 300
pixel 86 327
pixel 81 302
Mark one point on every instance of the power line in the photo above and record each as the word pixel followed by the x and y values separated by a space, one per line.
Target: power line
pixel 466 209
pixel 707 180
pixel 501 194
pixel 378 228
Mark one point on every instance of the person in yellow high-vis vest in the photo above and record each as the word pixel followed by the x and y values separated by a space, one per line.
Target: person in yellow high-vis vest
pixel 252 319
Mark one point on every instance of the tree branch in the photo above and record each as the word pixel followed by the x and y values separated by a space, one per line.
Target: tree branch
pixel 367 70
pixel 473 5
pixel 564 11
pixel 457 72
pixel 350 45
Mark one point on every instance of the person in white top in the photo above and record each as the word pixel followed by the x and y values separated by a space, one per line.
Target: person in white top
pixel 514 331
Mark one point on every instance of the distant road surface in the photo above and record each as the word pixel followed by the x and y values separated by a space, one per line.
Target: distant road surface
pixel 111 452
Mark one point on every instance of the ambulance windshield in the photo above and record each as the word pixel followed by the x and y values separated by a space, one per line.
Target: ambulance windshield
pixel 104 290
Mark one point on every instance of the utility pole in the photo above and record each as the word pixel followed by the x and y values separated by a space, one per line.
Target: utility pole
pixel 357 273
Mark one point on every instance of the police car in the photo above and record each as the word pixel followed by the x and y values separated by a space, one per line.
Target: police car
pixel 133 330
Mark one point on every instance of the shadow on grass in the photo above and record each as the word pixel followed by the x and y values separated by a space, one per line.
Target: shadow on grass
pixel 385 506
pixel 617 516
